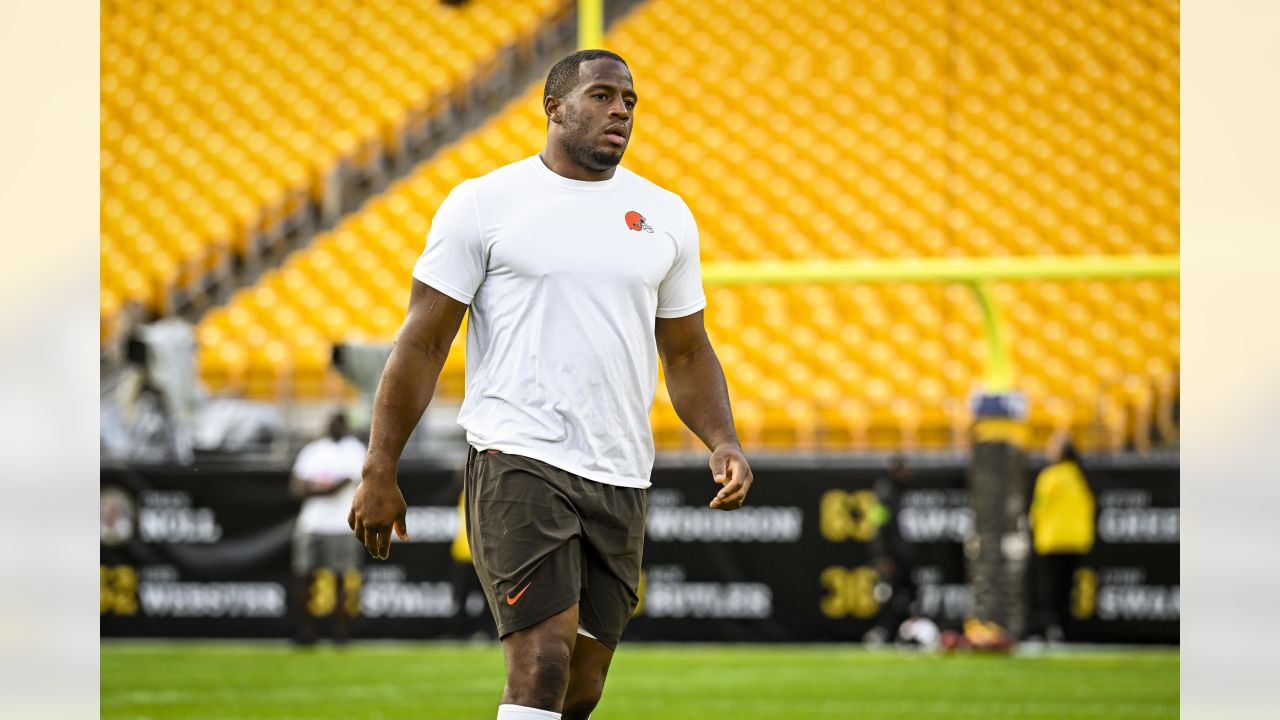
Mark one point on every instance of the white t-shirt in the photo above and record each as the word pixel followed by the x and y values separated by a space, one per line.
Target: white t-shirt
pixel 321 464
pixel 564 279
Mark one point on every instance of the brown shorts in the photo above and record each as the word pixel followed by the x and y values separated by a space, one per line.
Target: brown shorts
pixel 544 539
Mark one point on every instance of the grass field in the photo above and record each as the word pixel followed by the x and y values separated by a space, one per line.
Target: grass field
pixel 409 681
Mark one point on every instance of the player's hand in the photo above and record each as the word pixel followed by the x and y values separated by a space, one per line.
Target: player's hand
pixel 730 470
pixel 377 509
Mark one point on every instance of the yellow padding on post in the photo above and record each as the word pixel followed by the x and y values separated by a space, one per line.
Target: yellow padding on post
pixel 1013 432
pixel 460 549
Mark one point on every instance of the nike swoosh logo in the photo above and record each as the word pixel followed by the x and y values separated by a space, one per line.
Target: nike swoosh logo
pixel 513 600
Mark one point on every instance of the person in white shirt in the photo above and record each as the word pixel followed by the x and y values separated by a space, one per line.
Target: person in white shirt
pixel 325 476
pixel 579 276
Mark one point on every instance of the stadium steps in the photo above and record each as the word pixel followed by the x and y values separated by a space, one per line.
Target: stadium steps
pixel 837 129
pixel 232 131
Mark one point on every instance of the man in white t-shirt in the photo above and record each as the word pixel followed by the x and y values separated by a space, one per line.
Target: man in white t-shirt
pixel 579 275
pixel 325 477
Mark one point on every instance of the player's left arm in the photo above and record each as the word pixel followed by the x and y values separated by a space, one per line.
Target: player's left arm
pixel 302 488
pixel 696 384
pixel 330 489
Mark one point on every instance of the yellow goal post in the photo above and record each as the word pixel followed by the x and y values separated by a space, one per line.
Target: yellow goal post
pixel 590 24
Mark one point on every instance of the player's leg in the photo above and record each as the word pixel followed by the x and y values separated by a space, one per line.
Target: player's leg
pixel 606 607
pixel 1058 588
pixel 347 554
pixel 587 670
pixel 612 549
pixel 1064 581
pixel 523 534
pixel 304 562
pixel 537 659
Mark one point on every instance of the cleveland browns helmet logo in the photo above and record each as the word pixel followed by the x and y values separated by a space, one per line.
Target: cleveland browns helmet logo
pixel 636 222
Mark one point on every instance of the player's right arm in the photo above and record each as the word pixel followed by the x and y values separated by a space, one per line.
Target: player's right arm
pixel 407 384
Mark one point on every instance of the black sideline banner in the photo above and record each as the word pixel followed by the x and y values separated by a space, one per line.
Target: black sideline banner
pixel 207 554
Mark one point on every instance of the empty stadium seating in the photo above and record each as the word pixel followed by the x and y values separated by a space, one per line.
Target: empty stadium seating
pixel 810 129
pixel 222 119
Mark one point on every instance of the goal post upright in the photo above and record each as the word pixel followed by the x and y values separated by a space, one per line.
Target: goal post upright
pixel 590 24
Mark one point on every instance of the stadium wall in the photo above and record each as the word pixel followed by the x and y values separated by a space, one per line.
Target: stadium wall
pixel 206 553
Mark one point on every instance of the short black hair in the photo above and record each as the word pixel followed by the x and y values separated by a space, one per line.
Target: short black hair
pixel 338 427
pixel 1069 452
pixel 563 76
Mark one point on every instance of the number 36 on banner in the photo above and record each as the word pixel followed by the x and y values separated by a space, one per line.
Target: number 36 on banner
pixel 850 591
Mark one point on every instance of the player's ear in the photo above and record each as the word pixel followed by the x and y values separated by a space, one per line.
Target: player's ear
pixel 551 106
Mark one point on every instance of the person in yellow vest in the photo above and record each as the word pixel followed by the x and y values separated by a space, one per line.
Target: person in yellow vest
pixel 468 593
pixel 460 549
pixel 1062 527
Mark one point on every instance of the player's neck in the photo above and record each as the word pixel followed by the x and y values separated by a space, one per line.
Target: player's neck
pixel 558 162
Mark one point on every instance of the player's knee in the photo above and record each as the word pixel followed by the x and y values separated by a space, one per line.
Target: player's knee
pixel 582 699
pixel 586 685
pixel 542 676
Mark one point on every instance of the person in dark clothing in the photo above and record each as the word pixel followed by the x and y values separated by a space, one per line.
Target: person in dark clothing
pixel 891 555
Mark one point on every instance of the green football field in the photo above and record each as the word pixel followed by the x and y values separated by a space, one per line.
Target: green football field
pixel 428 680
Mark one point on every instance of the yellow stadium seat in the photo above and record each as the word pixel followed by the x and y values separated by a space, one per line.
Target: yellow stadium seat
pixel 230 115
pixel 1060 143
